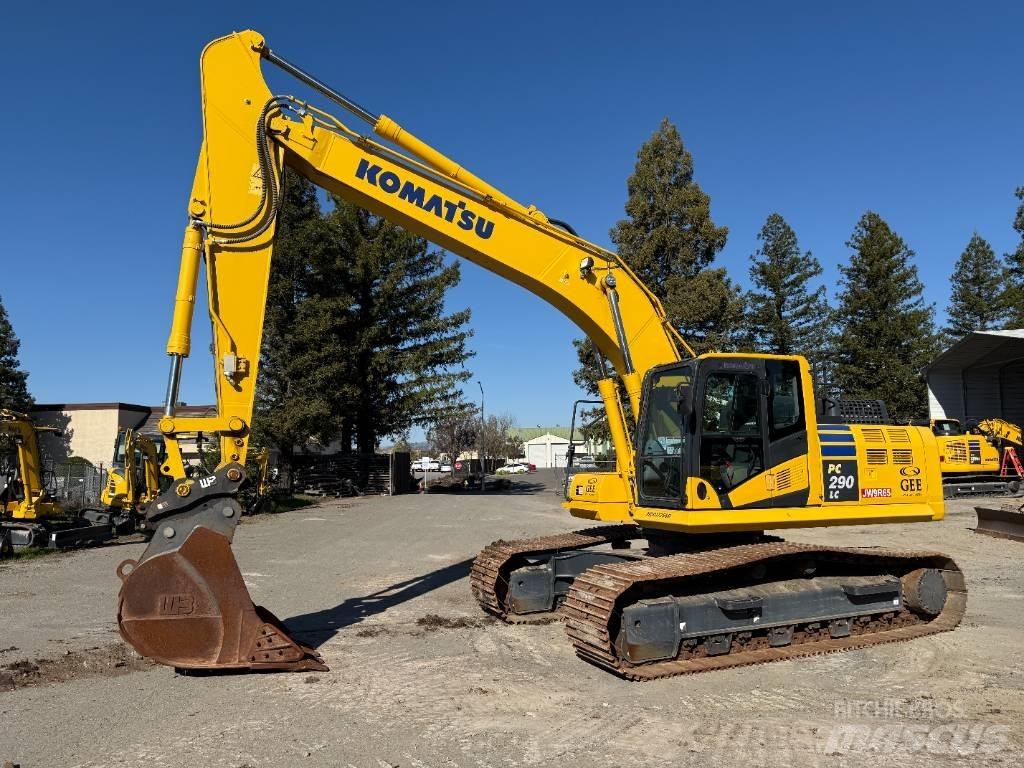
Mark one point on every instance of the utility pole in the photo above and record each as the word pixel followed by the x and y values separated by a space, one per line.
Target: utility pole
pixel 483 426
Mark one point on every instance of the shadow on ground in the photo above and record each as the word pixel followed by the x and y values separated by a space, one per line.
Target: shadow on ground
pixel 317 628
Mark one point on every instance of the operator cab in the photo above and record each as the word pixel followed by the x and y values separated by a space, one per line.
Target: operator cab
pixel 722 419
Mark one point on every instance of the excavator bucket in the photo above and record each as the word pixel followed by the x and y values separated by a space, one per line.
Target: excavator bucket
pixel 184 603
pixel 1005 521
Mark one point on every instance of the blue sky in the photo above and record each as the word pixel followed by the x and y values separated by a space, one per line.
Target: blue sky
pixel 819 111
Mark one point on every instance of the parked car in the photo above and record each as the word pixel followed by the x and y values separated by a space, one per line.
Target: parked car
pixel 513 468
pixel 586 461
pixel 446 466
pixel 426 464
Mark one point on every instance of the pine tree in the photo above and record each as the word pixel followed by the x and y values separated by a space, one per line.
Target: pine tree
pixel 407 355
pixel 978 299
pixel 1014 295
pixel 786 315
pixel 301 364
pixel 13 380
pixel 356 345
pixel 886 332
pixel 670 240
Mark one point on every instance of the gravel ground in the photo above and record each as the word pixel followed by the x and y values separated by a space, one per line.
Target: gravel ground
pixel 419 677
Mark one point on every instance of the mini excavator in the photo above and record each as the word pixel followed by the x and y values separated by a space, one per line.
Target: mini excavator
pixel 134 478
pixel 29 514
pixel 679 576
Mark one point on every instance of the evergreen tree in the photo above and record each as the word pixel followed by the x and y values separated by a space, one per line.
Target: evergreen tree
pixel 13 380
pixel 670 240
pixel 1014 295
pixel 978 299
pixel 886 331
pixel 356 344
pixel 302 366
pixel 407 355
pixel 787 316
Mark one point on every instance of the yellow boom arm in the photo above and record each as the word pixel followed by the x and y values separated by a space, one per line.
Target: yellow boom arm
pixel 1001 430
pixel 250 135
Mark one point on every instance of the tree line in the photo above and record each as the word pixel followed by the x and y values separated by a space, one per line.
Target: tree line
pixel 871 341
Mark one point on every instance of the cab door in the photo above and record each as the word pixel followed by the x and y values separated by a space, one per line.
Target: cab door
pixel 661 445
pixel 788 473
pixel 732 451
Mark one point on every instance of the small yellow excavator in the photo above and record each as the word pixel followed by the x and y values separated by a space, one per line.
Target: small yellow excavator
pixel 134 479
pixel 680 577
pixel 31 517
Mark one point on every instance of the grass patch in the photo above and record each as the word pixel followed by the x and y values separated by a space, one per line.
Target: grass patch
pixel 289 503
pixel 29 553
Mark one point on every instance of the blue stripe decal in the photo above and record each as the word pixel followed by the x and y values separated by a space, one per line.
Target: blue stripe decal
pixel 839 451
pixel 834 427
pixel 825 437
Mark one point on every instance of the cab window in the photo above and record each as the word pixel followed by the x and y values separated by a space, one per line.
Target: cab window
pixel 731 444
pixel 663 441
pixel 785 406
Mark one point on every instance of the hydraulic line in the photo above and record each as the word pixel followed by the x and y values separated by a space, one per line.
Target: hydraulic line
pixel 268 183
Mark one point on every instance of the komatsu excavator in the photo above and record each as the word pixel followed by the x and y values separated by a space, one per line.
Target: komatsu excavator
pixel 981 460
pixel 680 578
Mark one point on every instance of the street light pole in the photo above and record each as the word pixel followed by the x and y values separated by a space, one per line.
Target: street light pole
pixel 483 426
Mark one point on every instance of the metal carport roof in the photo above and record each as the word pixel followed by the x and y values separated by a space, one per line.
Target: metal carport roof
pixel 981 376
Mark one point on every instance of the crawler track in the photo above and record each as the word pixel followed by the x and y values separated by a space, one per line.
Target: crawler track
pixel 592 606
pixel 488 577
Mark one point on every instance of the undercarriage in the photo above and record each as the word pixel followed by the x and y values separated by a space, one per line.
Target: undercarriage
pixel 645 604
pixel 63 531
pixel 955 487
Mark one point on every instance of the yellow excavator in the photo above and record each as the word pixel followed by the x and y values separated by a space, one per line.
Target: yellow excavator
pixel 981 460
pixel 29 515
pixel 134 478
pixel 680 576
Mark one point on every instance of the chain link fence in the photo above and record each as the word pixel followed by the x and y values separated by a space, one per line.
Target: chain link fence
pixel 76 484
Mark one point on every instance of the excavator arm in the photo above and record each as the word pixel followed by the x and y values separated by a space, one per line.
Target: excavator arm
pixel 1001 431
pixel 183 602
pixel 250 135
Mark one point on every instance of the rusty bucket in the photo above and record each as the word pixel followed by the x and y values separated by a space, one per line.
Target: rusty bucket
pixel 184 603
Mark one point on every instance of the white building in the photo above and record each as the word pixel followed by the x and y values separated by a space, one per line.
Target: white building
pixel 546 447
pixel 979 377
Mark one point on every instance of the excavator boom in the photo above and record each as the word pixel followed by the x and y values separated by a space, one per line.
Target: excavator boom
pixel 173 606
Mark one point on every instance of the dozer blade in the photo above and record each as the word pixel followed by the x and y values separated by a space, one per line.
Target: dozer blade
pixel 184 603
pixel 1005 521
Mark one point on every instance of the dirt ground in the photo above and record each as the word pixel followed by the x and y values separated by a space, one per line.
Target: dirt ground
pixel 420 677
